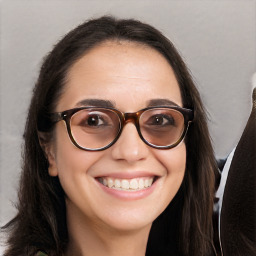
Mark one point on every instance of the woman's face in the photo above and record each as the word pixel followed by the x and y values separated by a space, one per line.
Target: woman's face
pixel 131 77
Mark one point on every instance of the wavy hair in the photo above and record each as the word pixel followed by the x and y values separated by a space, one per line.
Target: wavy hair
pixel 184 228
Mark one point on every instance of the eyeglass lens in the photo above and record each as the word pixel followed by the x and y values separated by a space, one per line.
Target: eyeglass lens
pixel 97 128
pixel 161 127
pixel 94 129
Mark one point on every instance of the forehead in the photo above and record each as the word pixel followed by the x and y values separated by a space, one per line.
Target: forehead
pixel 121 71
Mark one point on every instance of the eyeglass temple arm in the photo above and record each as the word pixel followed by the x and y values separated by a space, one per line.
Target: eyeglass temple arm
pixel 56 117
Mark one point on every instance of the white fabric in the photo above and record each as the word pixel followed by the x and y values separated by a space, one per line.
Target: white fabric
pixel 221 189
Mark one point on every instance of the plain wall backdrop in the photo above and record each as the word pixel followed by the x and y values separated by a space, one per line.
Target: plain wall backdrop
pixel 216 38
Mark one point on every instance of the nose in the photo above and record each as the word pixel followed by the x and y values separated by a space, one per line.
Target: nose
pixel 129 146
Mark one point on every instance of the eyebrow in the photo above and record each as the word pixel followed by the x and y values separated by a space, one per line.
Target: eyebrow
pixel 110 104
pixel 96 103
pixel 161 102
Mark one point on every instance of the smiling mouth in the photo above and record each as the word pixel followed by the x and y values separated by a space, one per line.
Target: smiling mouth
pixel 134 184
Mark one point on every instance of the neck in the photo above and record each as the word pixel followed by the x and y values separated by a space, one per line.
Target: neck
pixel 87 238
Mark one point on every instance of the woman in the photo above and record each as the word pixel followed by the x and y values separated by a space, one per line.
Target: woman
pixel 117 154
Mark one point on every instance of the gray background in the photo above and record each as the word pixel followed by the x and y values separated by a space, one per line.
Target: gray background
pixel 216 38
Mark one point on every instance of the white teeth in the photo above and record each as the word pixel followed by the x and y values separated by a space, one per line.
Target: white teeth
pixel 105 183
pixel 117 184
pixel 125 184
pixel 141 183
pixel 110 183
pixel 134 184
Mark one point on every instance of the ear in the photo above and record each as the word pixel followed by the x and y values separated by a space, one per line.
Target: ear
pixel 47 145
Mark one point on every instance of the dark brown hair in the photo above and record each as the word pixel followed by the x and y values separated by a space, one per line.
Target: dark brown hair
pixel 184 228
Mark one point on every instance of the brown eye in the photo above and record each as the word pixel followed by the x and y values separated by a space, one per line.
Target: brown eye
pixel 95 120
pixel 161 120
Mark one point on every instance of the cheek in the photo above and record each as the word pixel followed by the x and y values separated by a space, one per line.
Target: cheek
pixel 174 161
pixel 72 162
pixel 73 166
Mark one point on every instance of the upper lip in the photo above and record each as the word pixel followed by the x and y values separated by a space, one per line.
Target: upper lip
pixel 127 174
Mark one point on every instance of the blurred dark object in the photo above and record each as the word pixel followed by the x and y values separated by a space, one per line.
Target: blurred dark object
pixel 238 212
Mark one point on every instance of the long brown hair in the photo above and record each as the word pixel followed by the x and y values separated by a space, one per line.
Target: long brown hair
pixel 184 228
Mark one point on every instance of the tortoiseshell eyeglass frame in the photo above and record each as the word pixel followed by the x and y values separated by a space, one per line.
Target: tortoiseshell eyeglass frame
pixel 124 118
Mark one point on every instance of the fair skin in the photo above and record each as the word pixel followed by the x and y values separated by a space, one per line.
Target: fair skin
pixel 100 221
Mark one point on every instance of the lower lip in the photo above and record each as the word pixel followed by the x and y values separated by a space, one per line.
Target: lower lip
pixel 128 195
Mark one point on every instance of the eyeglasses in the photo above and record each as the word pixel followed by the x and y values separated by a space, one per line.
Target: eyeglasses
pixel 97 128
